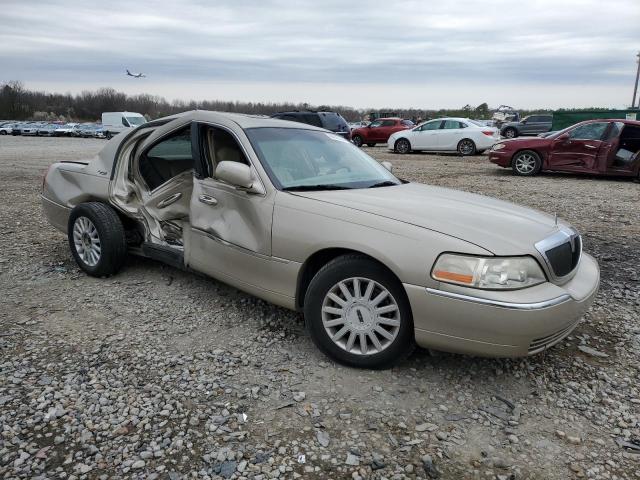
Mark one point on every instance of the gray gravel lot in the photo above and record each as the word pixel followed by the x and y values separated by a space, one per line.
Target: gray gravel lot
pixel 159 373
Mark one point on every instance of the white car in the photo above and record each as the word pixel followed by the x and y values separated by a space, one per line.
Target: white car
pixel 465 136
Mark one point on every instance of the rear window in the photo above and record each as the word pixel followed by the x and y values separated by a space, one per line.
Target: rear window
pixel 334 122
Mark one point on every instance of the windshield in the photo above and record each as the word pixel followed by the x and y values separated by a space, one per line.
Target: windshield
pixel 135 121
pixel 298 159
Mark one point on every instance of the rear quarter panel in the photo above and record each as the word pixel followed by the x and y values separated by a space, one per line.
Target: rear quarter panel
pixel 68 184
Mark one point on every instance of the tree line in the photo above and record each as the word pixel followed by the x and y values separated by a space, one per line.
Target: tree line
pixel 20 103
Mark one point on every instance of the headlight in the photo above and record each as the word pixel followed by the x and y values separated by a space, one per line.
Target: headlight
pixel 490 273
pixel 498 146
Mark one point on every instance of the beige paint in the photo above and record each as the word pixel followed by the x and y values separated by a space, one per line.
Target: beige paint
pixel 259 240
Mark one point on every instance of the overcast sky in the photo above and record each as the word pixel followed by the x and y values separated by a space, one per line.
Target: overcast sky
pixel 371 53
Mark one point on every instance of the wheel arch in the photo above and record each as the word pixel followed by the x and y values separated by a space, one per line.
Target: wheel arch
pixel 319 259
pixel 541 154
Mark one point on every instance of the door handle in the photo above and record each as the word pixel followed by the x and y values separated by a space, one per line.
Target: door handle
pixel 169 200
pixel 590 146
pixel 208 199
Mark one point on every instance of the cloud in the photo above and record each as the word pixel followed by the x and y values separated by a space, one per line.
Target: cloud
pixel 403 45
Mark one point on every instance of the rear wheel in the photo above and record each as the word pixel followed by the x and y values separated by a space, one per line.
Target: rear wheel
pixel 402 146
pixel 371 144
pixel 357 140
pixel 97 239
pixel 526 163
pixel 466 147
pixel 357 313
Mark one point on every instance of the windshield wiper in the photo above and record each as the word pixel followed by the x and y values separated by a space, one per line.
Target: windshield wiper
pixel 386 183
pixel 308 188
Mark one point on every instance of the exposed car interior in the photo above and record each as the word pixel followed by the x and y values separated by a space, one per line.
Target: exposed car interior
pixel 628 147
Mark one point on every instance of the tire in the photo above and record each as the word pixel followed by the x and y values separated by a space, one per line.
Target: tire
pixel 466 147
pixel 371 144
pixel 92 225
pixel 526 163
pixel 510 132
pixel 108 135
pixel 3 132
pixel 357 140
pixel 402 146
pixel 360 320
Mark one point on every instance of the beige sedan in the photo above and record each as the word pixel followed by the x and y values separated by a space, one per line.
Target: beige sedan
pixel 302 218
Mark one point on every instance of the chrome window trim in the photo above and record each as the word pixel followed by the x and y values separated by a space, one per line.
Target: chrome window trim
pixel 560 237
pixel 497 303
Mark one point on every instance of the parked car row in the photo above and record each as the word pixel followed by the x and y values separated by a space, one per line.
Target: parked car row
pixel 47 129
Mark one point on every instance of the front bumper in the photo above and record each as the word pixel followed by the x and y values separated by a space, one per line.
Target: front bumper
pixel 500 157
pixel 502 324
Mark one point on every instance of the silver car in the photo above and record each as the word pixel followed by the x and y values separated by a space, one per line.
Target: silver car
pixel 302 218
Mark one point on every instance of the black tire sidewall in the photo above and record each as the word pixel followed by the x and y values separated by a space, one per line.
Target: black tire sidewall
pixel 403 140
pixel 467 154
pixel 535 170
pixel 112 238
pixel 357 266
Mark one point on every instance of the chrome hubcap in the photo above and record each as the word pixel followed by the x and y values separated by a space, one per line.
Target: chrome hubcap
pixel 466 147
pixel 509 134
pixel 361 316
pixel 525 163
pixel 403 146
pixel 87 241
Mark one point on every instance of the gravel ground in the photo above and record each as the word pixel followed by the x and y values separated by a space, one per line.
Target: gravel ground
pixel 158 373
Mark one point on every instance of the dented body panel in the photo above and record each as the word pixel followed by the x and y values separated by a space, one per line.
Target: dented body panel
pixel 263 240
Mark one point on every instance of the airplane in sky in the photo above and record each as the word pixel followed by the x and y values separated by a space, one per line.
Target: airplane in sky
pixel 136 75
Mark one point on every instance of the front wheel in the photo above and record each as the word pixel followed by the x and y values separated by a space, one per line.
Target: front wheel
pixel 466 147
pixel 97 239
pixel 526 163
pixel 357 313
pixel 371 144
pixel 357 140
pixel 402 146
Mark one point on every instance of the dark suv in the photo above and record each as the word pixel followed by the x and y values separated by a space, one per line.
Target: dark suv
pixel 329 120
pixel 531 125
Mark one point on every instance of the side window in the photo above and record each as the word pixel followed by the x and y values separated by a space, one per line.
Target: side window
pixel 167 159
pixel 125 123
pixel 223 147
pixel 388 123
pixel 375 124
pixel 312 119
pixel 435 125
pixel 407 123
pixel 451 124
pixel 589 131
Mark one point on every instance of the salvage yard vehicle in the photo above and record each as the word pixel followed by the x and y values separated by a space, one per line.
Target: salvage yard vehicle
pixel 531 125
pixel 465 136
pixel 329 120
pixel 6 128
pixel 300 217
pixel 379 131
pixel 597 147
pixel 117 122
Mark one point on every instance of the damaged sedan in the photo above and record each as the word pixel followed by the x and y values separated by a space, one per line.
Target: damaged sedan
pixel 302 218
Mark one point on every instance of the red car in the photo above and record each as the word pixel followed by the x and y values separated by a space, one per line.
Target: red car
pixel 379 131
pixel 600 147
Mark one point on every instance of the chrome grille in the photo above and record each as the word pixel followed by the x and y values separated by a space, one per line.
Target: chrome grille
pixel 561 252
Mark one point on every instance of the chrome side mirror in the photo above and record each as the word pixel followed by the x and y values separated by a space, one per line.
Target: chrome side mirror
pixel 388 166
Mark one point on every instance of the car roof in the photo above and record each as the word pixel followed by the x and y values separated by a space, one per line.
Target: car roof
pixel 242 120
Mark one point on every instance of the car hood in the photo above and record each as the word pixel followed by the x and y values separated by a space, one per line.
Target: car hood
pixel 500 227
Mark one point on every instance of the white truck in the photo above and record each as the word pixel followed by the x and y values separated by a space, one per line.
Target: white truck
pixel 116 122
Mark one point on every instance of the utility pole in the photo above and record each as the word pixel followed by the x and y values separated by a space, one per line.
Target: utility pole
pixel 635 87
